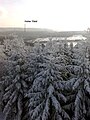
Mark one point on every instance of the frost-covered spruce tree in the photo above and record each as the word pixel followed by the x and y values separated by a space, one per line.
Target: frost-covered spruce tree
pixel 71 49
pixel 80 49
pixel 15 86
pixel 45 95
pixel 3 72
pixel 14 46
pixel 35 59
pixel 82 88
pixel 66 53
pixel 73 69
pixel 74 65
pixel 65 59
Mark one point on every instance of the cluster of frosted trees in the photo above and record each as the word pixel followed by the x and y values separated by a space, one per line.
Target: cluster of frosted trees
pixel 47 82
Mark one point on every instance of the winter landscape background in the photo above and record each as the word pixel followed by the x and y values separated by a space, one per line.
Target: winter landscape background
pixel 44 74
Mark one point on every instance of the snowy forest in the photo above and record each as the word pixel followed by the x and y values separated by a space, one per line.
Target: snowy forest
pixel 45 82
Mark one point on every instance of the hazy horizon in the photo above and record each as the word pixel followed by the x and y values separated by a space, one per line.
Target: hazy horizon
pixel 46 29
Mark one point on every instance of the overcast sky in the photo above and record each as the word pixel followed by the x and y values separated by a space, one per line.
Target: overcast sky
pixel 53 14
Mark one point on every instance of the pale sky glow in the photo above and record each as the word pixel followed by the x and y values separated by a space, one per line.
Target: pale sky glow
pixel 53 14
